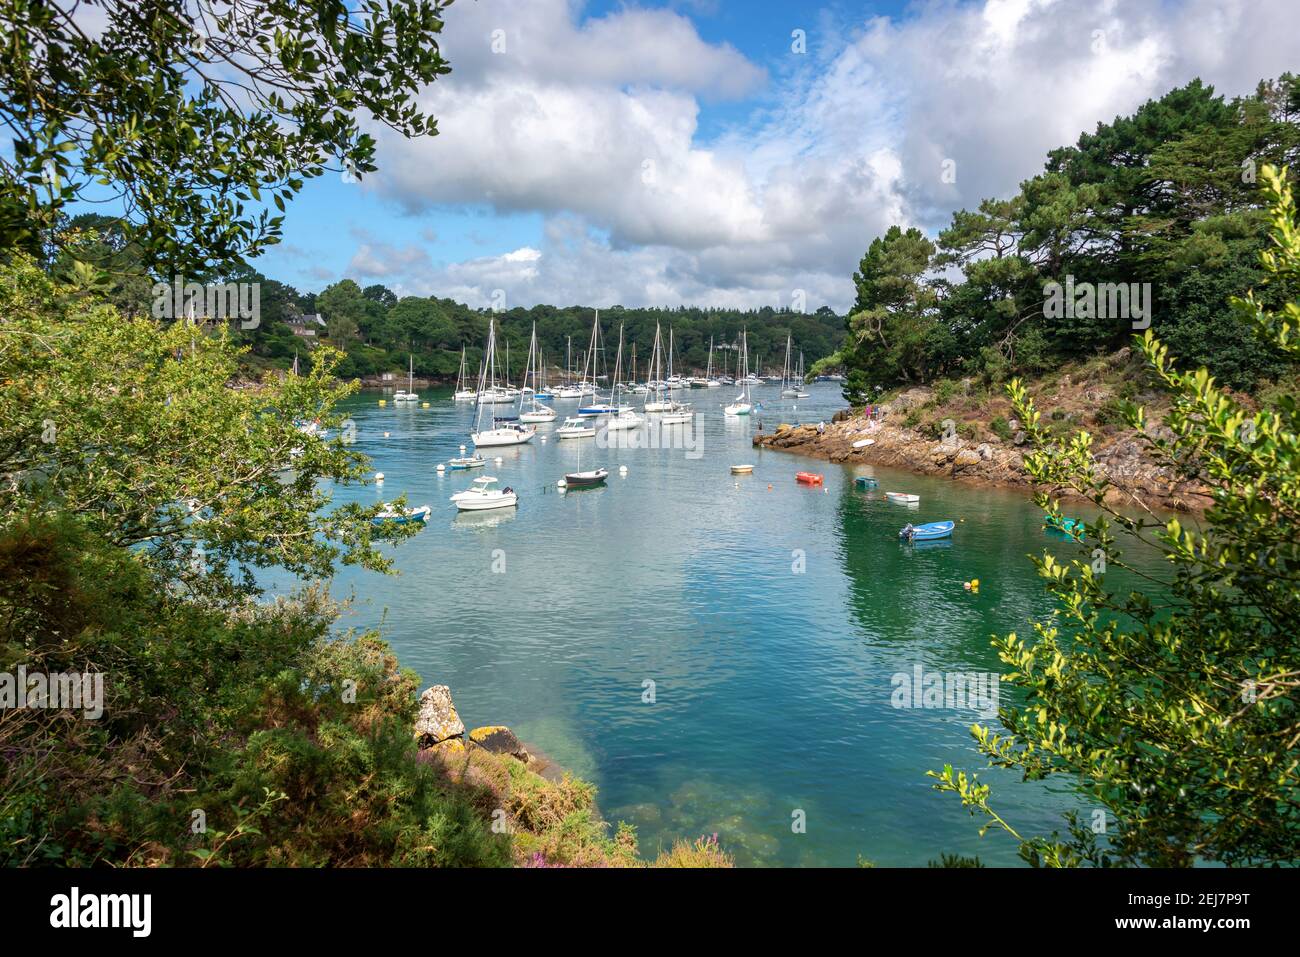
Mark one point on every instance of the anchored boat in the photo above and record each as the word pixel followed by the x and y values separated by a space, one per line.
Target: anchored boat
pixel 391 515
pixel 927 532
pixel 481 495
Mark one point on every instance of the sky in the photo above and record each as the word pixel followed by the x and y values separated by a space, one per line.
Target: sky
pixel 727 153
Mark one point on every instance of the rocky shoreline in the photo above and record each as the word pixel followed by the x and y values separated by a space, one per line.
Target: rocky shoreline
pixel 440 735
pixel 1135 479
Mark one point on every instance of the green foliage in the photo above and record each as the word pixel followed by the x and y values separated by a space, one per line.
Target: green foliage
pixel 1001 428
pixel 133 427
pixel 201 122
pixel 1165 197
pixel 1177 721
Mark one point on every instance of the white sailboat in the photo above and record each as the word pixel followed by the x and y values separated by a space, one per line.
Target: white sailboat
pixel 533 410
pixel 463 392
pixel 788 391
pixel 408 394
pixel 655 401
pixel 799 392
pixel 709 381
pixel 598 404
pixel 742 405
pixel 504 430
pixel 623 416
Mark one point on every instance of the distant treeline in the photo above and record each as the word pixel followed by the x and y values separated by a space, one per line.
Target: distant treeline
pixel 1163 207
pixel 378 331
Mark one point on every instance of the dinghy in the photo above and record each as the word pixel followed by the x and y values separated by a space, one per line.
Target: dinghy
pixel 1069 526
pixel 905 497
pixel 467 462
pixel 927 532
pixel 864 443
pixel 865 482
pixel 742 469
pixel 808 478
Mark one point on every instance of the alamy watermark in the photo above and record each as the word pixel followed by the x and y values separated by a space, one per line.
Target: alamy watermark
pixel 54 692
pixel 1101 300
pixel 956 690
pixel 212 301
pixel 655 435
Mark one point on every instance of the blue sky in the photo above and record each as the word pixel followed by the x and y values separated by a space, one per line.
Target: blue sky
pixel 682 151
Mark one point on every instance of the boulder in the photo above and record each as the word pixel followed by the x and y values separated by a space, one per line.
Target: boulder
pixel 984 451
pixel 499 739
pixel 438 720
pixel 966 458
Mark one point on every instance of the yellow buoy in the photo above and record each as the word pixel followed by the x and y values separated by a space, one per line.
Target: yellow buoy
pixel 383 402
pixel 424 405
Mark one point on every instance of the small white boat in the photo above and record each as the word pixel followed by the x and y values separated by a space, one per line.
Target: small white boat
pixel 538 413
pixel 624 418
pixel 738 408
pixel 468 462
pixel 904 497
pixel 863 443
pixel 502 434
pixel 481 495
pixel 742 469
pixel 576 428
pixel 678 415
pixel 392 516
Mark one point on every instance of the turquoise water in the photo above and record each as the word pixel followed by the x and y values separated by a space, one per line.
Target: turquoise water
pixel 770 621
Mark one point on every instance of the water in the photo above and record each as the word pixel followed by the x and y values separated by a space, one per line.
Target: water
pixel 770 620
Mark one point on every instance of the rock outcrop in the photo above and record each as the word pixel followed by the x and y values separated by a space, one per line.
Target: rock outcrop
pixel 499 739
pixel 438 721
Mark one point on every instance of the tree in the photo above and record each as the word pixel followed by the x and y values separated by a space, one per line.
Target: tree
pixel 894 314
pixel 131 426
pixel 197 117
pixel 1177 716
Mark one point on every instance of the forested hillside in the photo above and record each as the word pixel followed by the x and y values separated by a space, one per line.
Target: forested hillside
pixel 1165 204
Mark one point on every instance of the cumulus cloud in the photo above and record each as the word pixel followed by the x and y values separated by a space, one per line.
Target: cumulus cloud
pixel 595 125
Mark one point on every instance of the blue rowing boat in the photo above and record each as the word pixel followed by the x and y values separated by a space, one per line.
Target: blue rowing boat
pixel 927 532
pixel 865 482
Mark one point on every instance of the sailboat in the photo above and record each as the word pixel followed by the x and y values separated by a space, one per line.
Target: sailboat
pixel 623 416
pixel 742 405
pixel 505 430
pixel 407 394
pixel 654 394
pixel 709 381
pixel 463 393
pixel 799 393
pixel 535 410
pixel 677 413
pixel 598 405
pixel 788 390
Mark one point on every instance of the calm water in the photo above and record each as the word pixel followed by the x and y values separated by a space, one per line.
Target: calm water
pixel 772 685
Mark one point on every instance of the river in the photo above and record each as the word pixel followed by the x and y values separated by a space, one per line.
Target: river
pixel 718 654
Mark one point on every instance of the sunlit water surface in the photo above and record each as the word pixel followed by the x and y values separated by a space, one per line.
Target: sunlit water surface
pixel 771 621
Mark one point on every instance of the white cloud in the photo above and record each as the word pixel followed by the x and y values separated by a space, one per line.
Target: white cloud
pixel 597 127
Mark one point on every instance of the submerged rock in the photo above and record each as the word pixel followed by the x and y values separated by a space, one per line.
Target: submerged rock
pixel 438 720
pixel 499 739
